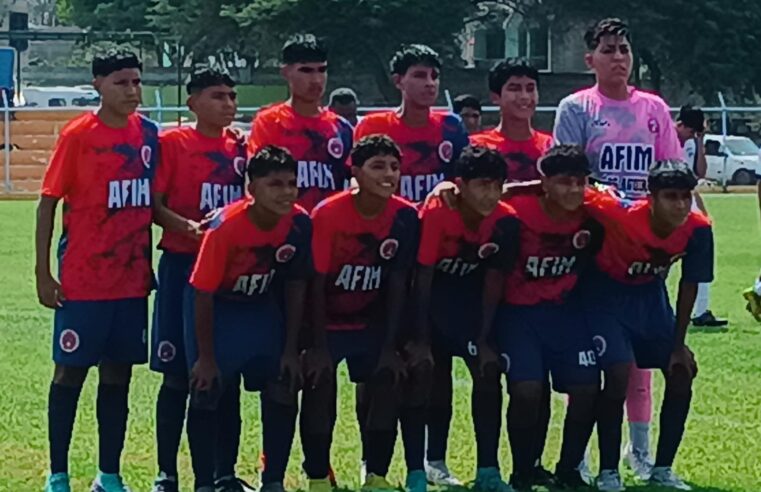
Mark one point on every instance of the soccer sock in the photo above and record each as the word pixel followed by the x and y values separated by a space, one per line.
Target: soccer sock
pixel 379 450
pixel 439 410
pixel 278 429
pixel 577 429
pixel 62 410
pixel 486 407
pixel 676 407
pixel 413 437
pixel 112 411
pixel 639 436
pixel 702 299
pixel 228 431
pixel 521 432
pixel 170 419
pixel 610 416
pixel 639 400
pixel 543 424
pixel 202 437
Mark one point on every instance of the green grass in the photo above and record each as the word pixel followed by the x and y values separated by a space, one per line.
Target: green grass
pixel 721 449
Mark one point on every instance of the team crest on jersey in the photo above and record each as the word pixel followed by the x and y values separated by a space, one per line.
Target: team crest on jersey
pixel 284 253
pixel 487 249
pixel 388 248
pixel 601 346
pixel 582 239
pixel 166 351
pixel 336 147
pixel 239 165
pixel 69 341
pixel 446 150
pixel 653 125
pixel 145 155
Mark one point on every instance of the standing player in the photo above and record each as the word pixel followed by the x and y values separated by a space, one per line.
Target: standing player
pixel 429 141
pixel 202 168
pixel 244 314
pixel 344 102
pixel 455 246
pixel 514 87
pixel 630 315
pixel 317 138
pixel 364 247
pixel 468 107
pixel 102 168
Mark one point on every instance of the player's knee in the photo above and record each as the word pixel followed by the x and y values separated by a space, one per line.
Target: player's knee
pixel 73 377
pixel 581 402
pixel 114 373
pixel 525 400
pixel 382 400
pixel 417 388
pixel 616 381
pixel 488 382
pixel 176 382
pixel 316 408
pixel 441 394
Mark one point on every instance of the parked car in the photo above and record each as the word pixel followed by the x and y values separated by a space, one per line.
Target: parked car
pixel 733 158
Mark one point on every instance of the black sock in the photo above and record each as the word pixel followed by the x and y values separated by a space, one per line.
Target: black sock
pixel 202 437
pixel 577 429
pixel 413 437
pixel 543 424
pixel 521 433
pixel 228 431
pixel 379 451
pixel 171 406
pixel 316 454
pixel 439 411
pixel 278 429
pixel 486 408
pixel 112 411
pixel 62 410
pixel 674 413
pixel 610 417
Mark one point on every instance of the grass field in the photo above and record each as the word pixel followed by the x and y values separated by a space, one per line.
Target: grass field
pixel 721 449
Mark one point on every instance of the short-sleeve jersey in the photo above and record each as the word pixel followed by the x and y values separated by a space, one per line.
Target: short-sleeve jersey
pixel 427 152
pixel 197 175
pixel 104 177
pixel 521 156
pixel 621 138
pixel 357 254
pixel 320 145
pixel 240 261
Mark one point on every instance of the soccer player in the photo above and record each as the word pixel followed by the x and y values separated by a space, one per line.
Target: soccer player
pixel 429 141
pixel 364 247
pixel 343 102
pixel 244 313
pixel 318 139
pixel 514 87
pixel 468 107
pixel 102 168
pixel 201 168
pixel 633 319
pixel 455 246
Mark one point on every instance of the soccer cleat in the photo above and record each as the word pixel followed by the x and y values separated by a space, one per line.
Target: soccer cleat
pixel 754 303
pixel 610 480
pixel 232 483
pixel 165 483
pixel 272 487
pixel 208 488
pixel 416 482
pixel 109 482
pixel 437 473
pixel 375 482
pixel 362 472
pixel 58 482
pixel 664 476
pixel 640 462
pixel 490 480
pixel 543 477
pixel 708 320
pixel 584 470
pixel 521 483
pixel 570 480
pixel 320 485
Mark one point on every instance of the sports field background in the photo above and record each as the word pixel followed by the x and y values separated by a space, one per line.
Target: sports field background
pixel 721 450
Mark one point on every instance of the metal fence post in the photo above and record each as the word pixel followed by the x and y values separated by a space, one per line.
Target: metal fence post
pixel 723 141
pixel 7 139
pixel 159 104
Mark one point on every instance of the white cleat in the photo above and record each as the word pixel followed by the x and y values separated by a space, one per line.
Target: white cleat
pixel 362 471
pixel 437 473
pixel 584 470
pixel 610 480
pixel 664 476
pixel 640 463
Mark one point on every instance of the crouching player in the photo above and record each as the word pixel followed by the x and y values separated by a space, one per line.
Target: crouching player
pixel 364 246
pixel 249 284
pixel 540 326
pixel 629 311
pixel 456 243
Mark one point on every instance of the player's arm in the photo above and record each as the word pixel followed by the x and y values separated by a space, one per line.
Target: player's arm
pixel 48 289
pixel 701 164
pixel 569 124
pixel 426 259
pixel 170 220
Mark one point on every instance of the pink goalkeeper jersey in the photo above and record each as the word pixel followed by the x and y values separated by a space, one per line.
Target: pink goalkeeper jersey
pixel 621 138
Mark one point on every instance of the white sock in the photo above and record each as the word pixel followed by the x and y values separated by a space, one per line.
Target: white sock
pixel 701 301
pixel 639 435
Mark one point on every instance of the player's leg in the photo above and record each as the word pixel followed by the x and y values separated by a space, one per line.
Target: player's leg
pixel 542 476
pixel 379 397
pixel 228 438
pixel 639 410
pixel 701 314
pixel 439 419
pixel 412 416
pixel 202 434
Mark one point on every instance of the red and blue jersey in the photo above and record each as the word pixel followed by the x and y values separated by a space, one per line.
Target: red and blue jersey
pixel 357 254
pixel 521 156
pixel 320 145
pixel 239 261
pixel 104 176
pixel 551 254
pixel 198 174
pixel 427 152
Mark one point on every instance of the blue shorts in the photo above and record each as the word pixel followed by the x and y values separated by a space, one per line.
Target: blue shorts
pixel 167 338
pixel 86 333
pixel 630 323
pixel 360 348
pixel 455 326
pixel 248 339
pixel 546 339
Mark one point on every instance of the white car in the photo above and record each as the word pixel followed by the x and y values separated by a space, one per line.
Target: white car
pixel 733 158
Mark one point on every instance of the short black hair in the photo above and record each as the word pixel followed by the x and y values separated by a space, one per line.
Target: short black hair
pixel 564 159
pixel 204 76
pixel 373 145
pixel 611 26
pixel 501 72
pixel 466 101
pixel 414 54
pixel 343 95
pixel 113 60
pixel 270 159
pixel 480 162
pixel 303 48
pixel 692 118
pixel 674 174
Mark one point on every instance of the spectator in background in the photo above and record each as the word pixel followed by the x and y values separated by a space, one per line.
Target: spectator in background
pixel 343 101
pixel 468 107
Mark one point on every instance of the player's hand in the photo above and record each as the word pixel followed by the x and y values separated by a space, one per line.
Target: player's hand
pixel 195 229
pixel 418 354
pixel 290 370
pixel 683 357
pixel 391 361
pixel 49 291
pixel 204 373
pixel 487 357
pixel 446 191
pixel 318 364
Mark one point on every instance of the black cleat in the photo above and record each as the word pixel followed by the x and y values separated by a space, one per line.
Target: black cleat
pixel 543 477
pixel 570 480
pixel 708 320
